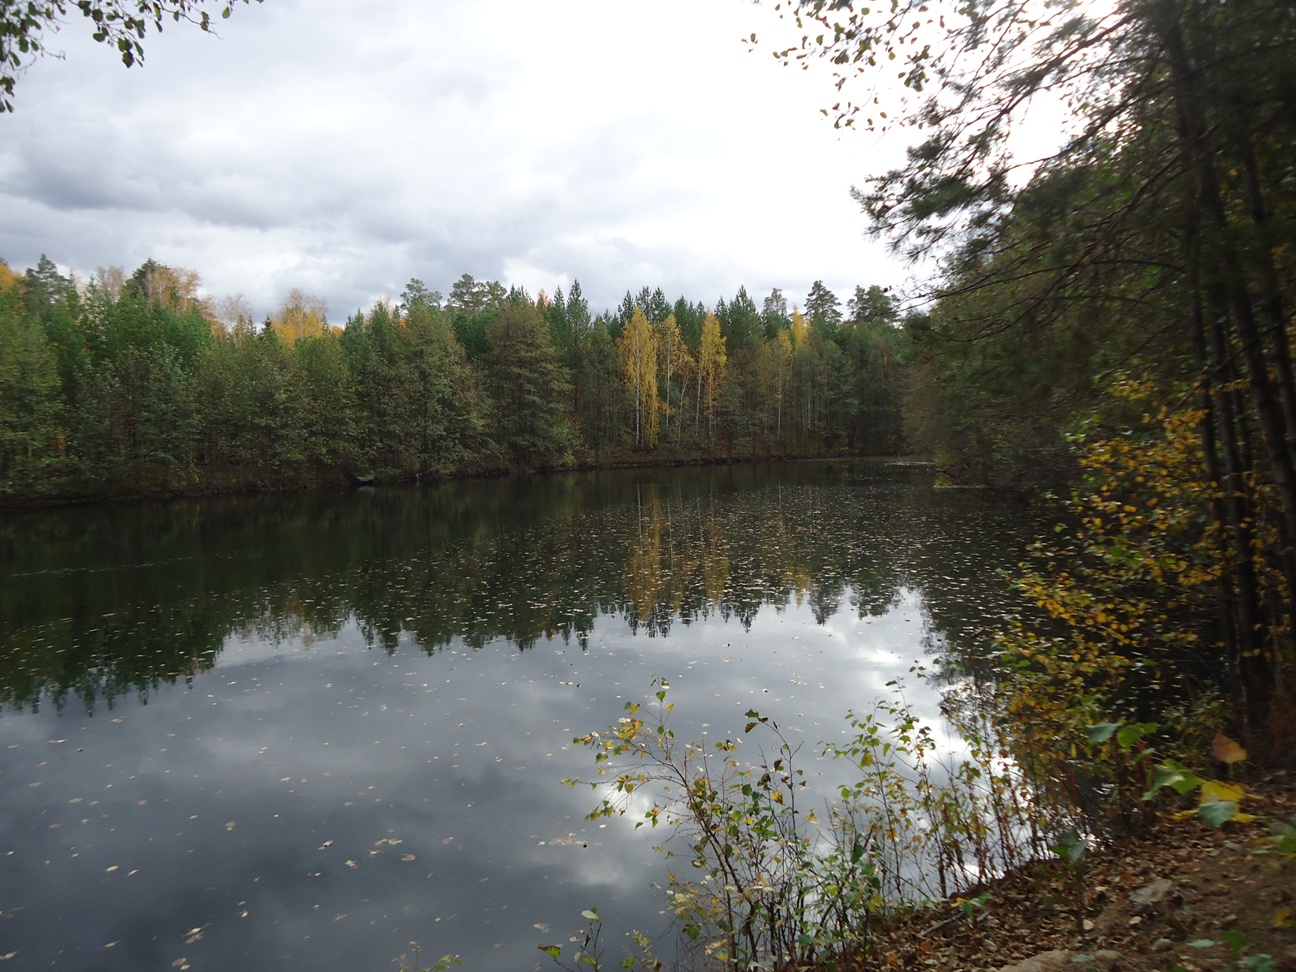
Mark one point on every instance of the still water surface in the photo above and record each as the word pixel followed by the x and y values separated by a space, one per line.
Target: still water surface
pixel 305 731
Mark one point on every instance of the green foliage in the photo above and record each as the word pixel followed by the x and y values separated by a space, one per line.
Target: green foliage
pixel 418 407
pixel 822 308
pixel 131 386
pixel 32 431
pixel 754 900
pixel 529 388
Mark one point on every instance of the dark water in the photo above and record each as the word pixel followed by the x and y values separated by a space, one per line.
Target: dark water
pixel 305 731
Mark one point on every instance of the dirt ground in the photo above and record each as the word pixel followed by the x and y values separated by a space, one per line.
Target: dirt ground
pixel 1148 905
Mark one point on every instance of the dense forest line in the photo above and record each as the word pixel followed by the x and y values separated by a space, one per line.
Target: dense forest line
pixel 137 385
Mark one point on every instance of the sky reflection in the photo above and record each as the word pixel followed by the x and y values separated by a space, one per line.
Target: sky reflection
pixel 329 787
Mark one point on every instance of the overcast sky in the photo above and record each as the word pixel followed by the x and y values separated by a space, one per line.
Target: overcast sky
pixel 343 147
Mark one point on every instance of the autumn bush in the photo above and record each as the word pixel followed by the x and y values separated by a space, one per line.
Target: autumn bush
pixel 769 883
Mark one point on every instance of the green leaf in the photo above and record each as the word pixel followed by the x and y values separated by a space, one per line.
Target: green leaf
pixel 1216 813
pixel 553 951
pixel 1071 847
pixel 1131 734
pixel 1172 774
pixel 1102 731
pixel 591 915
pixel 1237 941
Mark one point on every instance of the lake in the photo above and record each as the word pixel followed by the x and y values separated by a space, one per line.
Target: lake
pixel 305 731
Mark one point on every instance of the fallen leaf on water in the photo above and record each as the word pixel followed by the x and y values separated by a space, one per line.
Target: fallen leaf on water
pixel 327 844
pixel 407 857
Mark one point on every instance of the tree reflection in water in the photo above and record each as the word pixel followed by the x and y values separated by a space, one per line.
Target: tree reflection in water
pixel 304 730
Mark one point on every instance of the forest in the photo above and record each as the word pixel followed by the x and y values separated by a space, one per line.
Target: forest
pixel 136 385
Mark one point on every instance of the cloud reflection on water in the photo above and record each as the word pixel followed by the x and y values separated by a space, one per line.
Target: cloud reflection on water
pixel 324 800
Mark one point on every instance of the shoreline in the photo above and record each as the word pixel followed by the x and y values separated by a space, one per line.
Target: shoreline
pixel 339 482
pixel 1168 898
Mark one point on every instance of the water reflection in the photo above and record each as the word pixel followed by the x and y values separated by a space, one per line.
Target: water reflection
pixel 307 730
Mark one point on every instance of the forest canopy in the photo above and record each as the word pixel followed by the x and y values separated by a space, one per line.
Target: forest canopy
pixel 139 384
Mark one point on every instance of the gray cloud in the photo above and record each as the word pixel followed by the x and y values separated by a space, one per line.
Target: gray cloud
pixel 344 148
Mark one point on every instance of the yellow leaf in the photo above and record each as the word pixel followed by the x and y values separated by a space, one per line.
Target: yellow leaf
pixel 1225 750
pixel 1217 791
